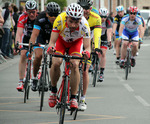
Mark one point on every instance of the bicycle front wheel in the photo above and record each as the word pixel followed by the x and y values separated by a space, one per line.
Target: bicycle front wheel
pixel 127 64
pixel 27 83
pixel 95 73
pixel 63 101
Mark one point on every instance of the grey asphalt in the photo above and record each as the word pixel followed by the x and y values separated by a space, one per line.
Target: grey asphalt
pixel 114 101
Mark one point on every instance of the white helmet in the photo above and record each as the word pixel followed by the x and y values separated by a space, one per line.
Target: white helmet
pixel 74 10
pixel 31 4
pixel 103 12
pixel 119 8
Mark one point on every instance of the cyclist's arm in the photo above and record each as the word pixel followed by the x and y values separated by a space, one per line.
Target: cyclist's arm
pixel 87 44
pixel 53 39
pixel 97 37
pixel 114 28
pixel 121 29
pixel 19 34
pixel 109 34
pixel 141 31
pixel 34 35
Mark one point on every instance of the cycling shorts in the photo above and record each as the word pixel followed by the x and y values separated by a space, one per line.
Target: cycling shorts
pixel 134 36
pixel 104 44
pixel 74 48
pixel 116 34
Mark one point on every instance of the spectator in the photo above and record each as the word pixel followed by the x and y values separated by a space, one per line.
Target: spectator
pixel 1 26
pixel 21 10
pixel 6 26
pixel 111 16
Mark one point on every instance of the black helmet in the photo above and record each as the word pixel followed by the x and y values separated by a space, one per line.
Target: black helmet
pixel 85 2
pixel 53 8
pixel 31 4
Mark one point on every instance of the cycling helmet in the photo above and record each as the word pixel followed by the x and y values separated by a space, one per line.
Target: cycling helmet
pixel 74 10
pixel 119 8
pixel 85 2
pixel 53 7
pixel 133 9
pixel 103 12
pixel 31 4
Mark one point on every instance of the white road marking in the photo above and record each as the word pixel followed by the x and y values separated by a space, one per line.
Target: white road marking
pixel 145 45
pixel 128 87
pixel 141 100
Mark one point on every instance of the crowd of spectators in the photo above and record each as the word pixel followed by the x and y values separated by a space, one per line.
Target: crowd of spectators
pixel 9 15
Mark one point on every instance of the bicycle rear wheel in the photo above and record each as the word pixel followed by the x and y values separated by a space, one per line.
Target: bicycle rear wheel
pixel 63 101
pixel 42 81
pixel 95 72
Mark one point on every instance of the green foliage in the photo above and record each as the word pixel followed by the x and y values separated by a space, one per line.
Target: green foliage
pixel 62 3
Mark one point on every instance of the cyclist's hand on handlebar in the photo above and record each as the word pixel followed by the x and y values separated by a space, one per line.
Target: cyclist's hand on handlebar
pixel 141 40
pixel 98 52
pixel 120 38
pixel 86 55
pixel 110 45
pixel 51 50
pixel 17 49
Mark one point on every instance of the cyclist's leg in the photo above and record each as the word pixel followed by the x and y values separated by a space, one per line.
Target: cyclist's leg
pixel 135 38
pixel 125 41
pixel 117 49
pixel 55 72
pixel 75 50
pixel 22 67
pixel 36 66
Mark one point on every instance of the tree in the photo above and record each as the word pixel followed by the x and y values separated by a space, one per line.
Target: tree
pixel 62 3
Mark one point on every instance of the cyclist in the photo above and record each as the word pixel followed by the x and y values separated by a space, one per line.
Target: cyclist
pixel 116 25
pixel 24 30
pixel 105 40
pixel 94 21
pixel 70 31
pixel 42 31
pixel 129 31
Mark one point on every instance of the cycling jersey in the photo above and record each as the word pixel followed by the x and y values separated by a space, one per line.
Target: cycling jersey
pixel 130 30
pixel 94 21
pixel 68 39
pixel 105 25
pixel 27 24
pixel 61 27
pixel 43 24
pixel 117 21
pixel 95 10
pixel 131 26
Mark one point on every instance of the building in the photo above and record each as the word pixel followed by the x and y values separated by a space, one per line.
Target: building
pixel 112 4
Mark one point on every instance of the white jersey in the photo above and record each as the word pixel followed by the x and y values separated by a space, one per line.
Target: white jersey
pixel 131 26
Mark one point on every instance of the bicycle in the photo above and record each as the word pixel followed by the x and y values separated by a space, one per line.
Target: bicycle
pixel 128 60
pixel 64 89
pixel 44 77
pixel 95 62
pixel 27 78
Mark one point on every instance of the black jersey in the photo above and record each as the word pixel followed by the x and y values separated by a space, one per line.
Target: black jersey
pixel 43 24
pixel 117 20
pixel 105 25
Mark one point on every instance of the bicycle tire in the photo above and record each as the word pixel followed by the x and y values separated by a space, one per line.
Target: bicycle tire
pixel 26 83
pixel 80 93
pixel 127 63
pixel 63 101
pixel 95 72
pixel 43 80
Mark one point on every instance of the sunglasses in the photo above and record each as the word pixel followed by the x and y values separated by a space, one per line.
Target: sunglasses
pixel 76 19
pixel 86 7
pixel 103 16
pixel 133 13
pixel 29 12
pixel 53 14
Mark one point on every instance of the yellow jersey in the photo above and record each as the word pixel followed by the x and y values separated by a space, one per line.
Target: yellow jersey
pixel 94 21
pixel 60 26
